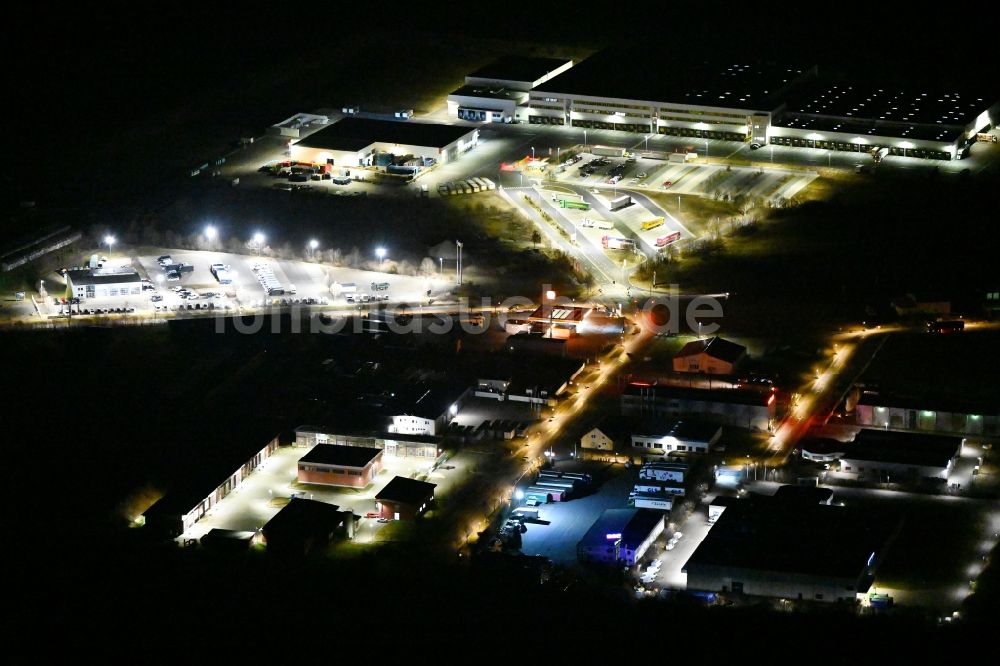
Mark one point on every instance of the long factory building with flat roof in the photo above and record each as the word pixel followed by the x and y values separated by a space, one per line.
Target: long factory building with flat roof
pixel 759 103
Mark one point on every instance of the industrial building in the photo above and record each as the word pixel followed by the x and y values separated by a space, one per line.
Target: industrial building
pixel 788 549
pixel 538 379
pixel 404 499
pixel 492 93
pixel 89 283
pixel 620 535
pixel 714 356
pixel 741 407
pixel 890 456
pixel 760 103
pixel 392 444
pixel 304 525
pixel 883 409
pixel 357 142
pixel 347 466
pixel 177 511
pixel 652 438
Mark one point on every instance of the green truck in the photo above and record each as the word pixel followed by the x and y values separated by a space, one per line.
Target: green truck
pixel 577 205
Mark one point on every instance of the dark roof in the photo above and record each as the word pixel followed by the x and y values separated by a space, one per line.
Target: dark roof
pixel 739 396
pixel 427 401
pixel 487 92
pixel 406 491
pixel 686 429
pixel 518 68
pixel 231 451
pixel 764 534
pixel 931 403
pixel 716 347
pixel 304 517
pixel 345 456
pixel 362 433
pixel 905 448
pixel 633 524
pixel 81 276
pixel 808 494
pixel 917 113
pixel 615 427
pixel 356 133
pixel 822 445
pixel 612 73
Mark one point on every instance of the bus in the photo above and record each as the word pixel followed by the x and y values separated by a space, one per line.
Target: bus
pixel 663 241
pixel 652 224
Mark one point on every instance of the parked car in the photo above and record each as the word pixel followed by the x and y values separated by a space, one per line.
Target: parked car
pixel 371 514
pixel 156 298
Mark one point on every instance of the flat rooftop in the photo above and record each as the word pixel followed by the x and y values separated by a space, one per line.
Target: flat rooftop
pixel 767 534
pixel 81 276
pixel 490 92
pixel 519 68
pixel 356 133
pixel 683 429
pixel 905 448
pixel 342 456
pixel 827 97
pixel 866 127
pixel 406 491
pixel 655 75
pixel 739 396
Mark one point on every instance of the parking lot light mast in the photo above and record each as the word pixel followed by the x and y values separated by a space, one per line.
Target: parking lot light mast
pixel 313 244
pixel 110 240
pixel 380 253
pixel 258 241
pixel 211 233
pixel 458 260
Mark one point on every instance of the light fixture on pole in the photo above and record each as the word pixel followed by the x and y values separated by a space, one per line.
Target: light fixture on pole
pixel 313 244
pixel 258 241
pixel 380 253
pixel 459 245
pixel 110 241
pixel 211 233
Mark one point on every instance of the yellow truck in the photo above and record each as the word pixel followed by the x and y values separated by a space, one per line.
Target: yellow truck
pixel 652 224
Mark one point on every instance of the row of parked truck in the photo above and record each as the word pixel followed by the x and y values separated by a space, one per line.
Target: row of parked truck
pixel 467 186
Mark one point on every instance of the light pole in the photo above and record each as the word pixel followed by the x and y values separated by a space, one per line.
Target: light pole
pixel 313 244
pixel 532 153
pixel 211 234
pixel 441 265
pixel 584 138
pixel 458 261
pixel 109 240
pixel 380 253
pixel 258 241
pixel 706 146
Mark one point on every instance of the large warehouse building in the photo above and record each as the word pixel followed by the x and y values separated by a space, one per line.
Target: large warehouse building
pixel 354 142
pixel 760 103
pixel 492 93
pixel 793 550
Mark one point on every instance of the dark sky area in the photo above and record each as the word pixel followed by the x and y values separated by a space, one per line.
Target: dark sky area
pixel 76 71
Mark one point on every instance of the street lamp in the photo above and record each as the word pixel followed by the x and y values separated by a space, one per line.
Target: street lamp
pixel 211 233
pixel 258 239
pixel 380 253
pixel 532 152
pixel 110 241
pixel 441 265
pixel 313 244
